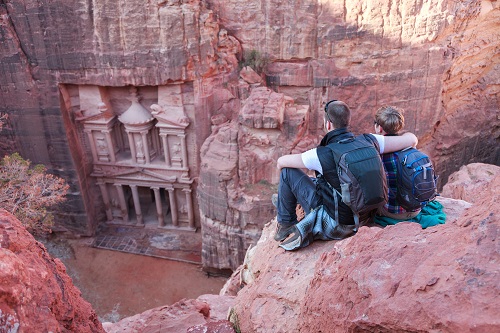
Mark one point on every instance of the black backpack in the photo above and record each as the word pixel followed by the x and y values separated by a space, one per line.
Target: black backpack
pixel 361 173
pixel 416 179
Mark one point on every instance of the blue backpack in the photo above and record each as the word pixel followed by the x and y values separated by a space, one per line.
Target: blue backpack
pixel 416 179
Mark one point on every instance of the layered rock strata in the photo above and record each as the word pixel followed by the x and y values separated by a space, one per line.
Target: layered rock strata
pixel 237 172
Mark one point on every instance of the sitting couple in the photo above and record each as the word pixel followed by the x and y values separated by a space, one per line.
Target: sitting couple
pixel 327 217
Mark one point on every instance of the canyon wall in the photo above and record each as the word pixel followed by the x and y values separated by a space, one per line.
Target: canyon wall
pixel 438 60
pixel 51 51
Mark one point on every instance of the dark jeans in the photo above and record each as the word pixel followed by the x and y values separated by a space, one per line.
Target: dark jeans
pixel 295 187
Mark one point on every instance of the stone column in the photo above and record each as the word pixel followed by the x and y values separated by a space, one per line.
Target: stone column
pixel 92 145
pixel 165 149
pixel 156 140
pixel 131 143
pixel 123 202
pixel 119 137
pixel 105 199
pixel 145 144
pixel 189 203
pixel 159 206
pixel 111 147
pixel 184 151
pixel 137 204
pixel 173 206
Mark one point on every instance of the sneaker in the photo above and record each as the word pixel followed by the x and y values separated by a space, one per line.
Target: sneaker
pixel 293 241
pixel 274 199
pixel 282 232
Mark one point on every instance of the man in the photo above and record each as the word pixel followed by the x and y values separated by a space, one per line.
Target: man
pixel 315 194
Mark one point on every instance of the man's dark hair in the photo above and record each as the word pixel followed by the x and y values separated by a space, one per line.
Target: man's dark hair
pixel 338 113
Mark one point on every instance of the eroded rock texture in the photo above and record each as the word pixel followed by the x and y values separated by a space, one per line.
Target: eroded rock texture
pixel 51 49
pixel 237 172
pixel 437 59
pixel 206 314
pixel 36 293
pixel 397 279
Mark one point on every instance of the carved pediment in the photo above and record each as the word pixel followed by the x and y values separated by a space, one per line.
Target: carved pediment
pixel 174 118
pixel 132 174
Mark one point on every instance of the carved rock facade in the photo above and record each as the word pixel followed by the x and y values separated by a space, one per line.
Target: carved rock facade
pixel 437 60
pixel 139 156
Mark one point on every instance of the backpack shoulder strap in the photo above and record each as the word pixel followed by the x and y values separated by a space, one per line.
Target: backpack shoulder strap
pixel 370 138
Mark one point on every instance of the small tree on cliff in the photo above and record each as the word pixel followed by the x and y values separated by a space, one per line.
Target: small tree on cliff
pixel 255 60
pixel 28 191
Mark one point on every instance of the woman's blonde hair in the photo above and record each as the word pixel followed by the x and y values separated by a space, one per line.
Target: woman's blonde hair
pixel 390 118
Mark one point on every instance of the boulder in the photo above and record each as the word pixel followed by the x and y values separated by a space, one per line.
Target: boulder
pixel 206 314
pixel 468 183
pixel 401 278
pixel 36 293
pixel 396 279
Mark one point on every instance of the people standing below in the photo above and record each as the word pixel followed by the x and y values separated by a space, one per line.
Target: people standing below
pixel 315 194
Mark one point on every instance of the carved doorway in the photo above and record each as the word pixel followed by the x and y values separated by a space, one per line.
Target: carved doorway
pixel 151 211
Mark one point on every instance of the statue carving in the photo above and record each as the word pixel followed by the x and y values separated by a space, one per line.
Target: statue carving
pixel 177 120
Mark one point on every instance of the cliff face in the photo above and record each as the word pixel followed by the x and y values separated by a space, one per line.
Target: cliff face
pixel 438 60
pixel 36 293
pixel 397 279
pixel 50 49
pixel 396 53
pixel 400 278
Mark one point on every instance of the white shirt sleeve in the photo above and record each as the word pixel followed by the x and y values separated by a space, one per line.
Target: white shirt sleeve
pixel 311 160
pixel 381 142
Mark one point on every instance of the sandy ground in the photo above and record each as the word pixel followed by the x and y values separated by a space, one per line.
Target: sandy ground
pixel 119 284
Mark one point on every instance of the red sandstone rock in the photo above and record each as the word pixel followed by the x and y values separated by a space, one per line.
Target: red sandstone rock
pixel 207 311
pixel 470 181
pixel 238 168
pixel 436 59
pixel 36 293
pixel 222 326
pixel 401 278
pixel 249 75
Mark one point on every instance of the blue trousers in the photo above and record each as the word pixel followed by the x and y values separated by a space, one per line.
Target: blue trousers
pixel 295 186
